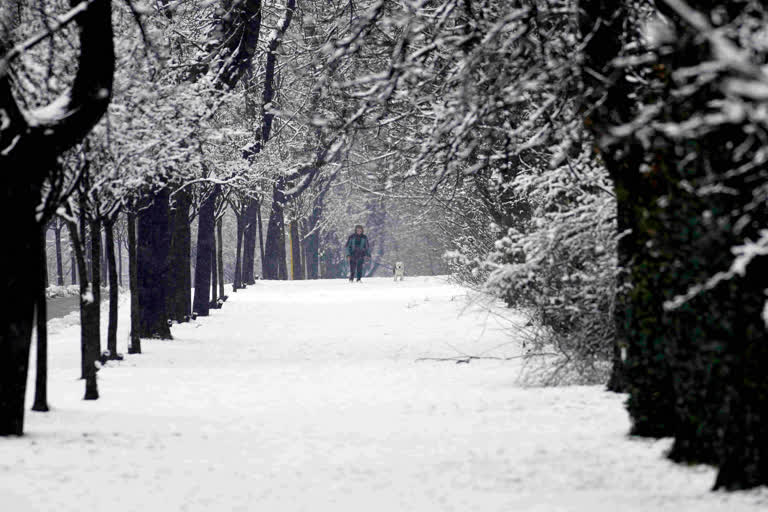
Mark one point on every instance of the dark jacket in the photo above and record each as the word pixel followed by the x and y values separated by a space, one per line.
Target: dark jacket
pixel 357 246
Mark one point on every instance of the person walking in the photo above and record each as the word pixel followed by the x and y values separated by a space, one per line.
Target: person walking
pixel 357 253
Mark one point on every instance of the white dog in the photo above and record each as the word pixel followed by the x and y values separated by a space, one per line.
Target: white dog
pixel 399 270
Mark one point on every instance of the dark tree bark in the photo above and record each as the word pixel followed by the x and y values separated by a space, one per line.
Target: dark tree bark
pixel 220 257
pixel 72 266
pixel 88 252
pixel 303 246
pixel 297 269
pixel 133 281
pixel 214 275
pixel 109 230
pixel 237 280
pixel 205 245
pixel 180 298
pixel 282 262
pixel 261 238
pixel 312 252
pixel 84 250
pixel 103 265
pixel 249 241
pixel 603 23
pixel 119 243
pixel 89 328
pixel 41 375
pixel 93 320
pixel 312 243
pixel 46 280
pixel 57 241
pixel 274 250
pixel 186 273
pixel 153 250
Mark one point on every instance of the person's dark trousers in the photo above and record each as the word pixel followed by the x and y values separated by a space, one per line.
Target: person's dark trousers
pixel 356 268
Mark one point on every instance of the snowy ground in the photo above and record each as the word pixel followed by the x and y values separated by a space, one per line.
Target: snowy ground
pixel 309 396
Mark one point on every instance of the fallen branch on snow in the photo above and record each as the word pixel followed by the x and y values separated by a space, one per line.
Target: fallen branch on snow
pixel 467 359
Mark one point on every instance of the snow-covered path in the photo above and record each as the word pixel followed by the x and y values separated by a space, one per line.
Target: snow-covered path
pixel 308 396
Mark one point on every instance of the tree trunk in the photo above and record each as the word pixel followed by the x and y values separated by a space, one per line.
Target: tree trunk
pixel 186 272
pixel 303 247
pixel 119 262
pixel 298 269
pixel 312 247
pixel 249 240
pixel 312 254
pixel 93 339
pixel 180 297
pixel 261 239
pixel 205 246
pixel 89 328
pixel 81 251
pixel 654 406
pixel 133 281
pixel 109 229
pixel 46 281
pixel 88 248
pixel 323 267
pixel 59 265
pixel 41 375
pixel 72 266
pixel 104 266
pixel 274 251
pixel 153 257
pixel 282 262
pixel 220 258
pixel 214 275
pixel 16 316
pixel 237 281
pixel 303 223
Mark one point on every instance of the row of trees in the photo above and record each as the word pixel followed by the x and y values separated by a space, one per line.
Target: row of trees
pixel 193 114
pixel 165 155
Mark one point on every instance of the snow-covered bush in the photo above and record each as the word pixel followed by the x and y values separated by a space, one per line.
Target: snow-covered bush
pixel 559 268
pixel 55 292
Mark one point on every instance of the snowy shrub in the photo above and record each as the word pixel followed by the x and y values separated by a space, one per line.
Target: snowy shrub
pixel 560 268
pixel 471 242
pixel 55 291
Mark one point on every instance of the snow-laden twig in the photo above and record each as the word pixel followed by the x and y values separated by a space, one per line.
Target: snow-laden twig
pixel 744 255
